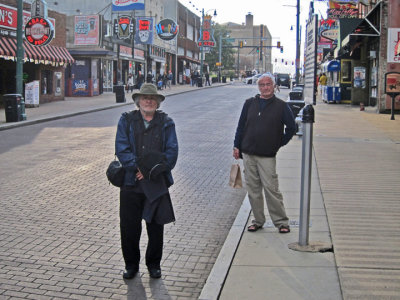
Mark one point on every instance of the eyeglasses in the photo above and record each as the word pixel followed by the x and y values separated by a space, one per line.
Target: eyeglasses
pixel 265 84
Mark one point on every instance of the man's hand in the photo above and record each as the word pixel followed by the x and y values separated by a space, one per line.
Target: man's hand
pixel 139 175
pixel 236 153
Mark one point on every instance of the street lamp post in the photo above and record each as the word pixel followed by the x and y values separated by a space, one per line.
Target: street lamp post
pixel 220 57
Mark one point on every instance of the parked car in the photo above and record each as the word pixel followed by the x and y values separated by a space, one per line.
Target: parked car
pixel 283 80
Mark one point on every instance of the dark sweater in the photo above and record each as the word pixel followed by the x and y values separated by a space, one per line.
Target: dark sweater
pixel 261 129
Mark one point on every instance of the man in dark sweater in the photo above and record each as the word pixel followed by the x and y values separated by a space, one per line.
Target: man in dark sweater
pixel 265 125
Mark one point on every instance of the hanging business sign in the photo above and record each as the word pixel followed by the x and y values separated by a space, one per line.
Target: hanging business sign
pixel 124 27
pixel 167 29
pixel 39 8
pixel 39 31
pixel 124 5
pixel 348 13
pixel 144 31
pixel 206 35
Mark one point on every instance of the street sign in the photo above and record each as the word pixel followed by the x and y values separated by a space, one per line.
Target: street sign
pixel 230 40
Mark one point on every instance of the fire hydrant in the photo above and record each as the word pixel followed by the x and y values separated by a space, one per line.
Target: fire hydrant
pixel 362 106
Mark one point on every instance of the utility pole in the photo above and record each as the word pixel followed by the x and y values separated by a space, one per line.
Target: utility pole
pixel 298 42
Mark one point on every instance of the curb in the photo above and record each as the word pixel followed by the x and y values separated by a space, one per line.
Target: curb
pixel 216 279
pixel 57 117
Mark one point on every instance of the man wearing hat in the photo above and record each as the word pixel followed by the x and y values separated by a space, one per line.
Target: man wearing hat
pixel 147 147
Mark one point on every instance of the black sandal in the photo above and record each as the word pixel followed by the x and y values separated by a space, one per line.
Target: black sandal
pixel 284 229
pixel 253 227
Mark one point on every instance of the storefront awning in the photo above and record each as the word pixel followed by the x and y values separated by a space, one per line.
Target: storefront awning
pixel 369 26
pixel 48 55
pixel 187 58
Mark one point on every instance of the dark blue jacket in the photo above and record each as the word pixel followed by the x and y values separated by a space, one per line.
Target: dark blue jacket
pixel 126 153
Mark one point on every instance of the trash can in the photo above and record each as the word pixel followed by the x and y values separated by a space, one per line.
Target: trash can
pixel 296 106
pixel 119 91
pixel 13 109
pixel 199 82
pixel 223 79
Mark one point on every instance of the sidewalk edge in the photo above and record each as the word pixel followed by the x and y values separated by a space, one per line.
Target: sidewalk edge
pixel 216 279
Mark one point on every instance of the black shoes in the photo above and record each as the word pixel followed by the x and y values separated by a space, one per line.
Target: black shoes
pixel 129 274
pixel 155 272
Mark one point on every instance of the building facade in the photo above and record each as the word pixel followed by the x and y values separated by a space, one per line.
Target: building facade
pixel 256 42
pixel 362 48
pixel 104 55
pixel 188 51
pixel 44 66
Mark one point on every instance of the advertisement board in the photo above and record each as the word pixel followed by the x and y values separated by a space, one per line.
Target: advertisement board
pixel 86 30
pixel 32 93
pixel 310 61
pixel 393 46
pixel 124 5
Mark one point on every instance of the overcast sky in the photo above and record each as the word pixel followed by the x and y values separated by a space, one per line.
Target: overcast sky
pixel 278 15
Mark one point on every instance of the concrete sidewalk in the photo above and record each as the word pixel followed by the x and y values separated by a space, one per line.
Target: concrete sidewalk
pixel 79 105
pixel 354 206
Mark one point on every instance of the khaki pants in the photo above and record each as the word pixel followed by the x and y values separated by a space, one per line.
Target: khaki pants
pixel 260 173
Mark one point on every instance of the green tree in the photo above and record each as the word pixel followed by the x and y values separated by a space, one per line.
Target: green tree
pixel 228 54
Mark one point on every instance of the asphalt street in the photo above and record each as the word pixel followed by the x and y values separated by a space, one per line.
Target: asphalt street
pixel 59 217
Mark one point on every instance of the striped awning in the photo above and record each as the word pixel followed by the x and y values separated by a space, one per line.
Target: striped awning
pixel 48 55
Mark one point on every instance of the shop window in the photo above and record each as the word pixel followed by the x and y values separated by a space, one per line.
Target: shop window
pixel 47 82
pixel 346 71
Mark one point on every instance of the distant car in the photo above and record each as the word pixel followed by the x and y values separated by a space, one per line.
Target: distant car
pixel 252 79
pixel 283 80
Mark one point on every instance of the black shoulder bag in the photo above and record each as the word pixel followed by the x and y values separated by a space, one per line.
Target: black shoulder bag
pixel 115 171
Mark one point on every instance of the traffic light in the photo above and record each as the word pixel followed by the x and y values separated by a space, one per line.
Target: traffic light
pixel 241 44
pixel 258 50
pixel 278 44
pixel 282 49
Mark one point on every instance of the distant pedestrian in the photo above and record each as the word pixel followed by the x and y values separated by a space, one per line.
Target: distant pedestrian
pixel 130 83
pixel 170 77
pixel 322 81
pixel 164 80
pixel 207 79
pixel 147 147
pixel 259 135
pixel 149 77
pixel 140 79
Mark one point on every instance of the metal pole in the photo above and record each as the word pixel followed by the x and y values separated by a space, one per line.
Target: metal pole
pixel 298 42
pixel 201 47
pixel 20 59
pixel 392 112
pixel 220 57
pixel 306 162
pixel 238 60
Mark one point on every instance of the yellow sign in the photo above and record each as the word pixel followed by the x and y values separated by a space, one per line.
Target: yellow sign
pixel 218 64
